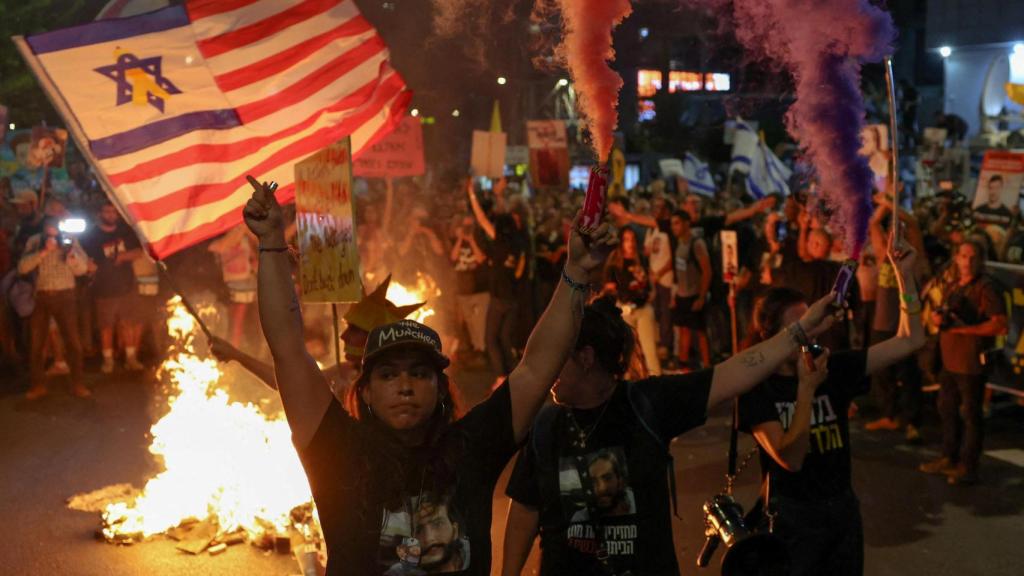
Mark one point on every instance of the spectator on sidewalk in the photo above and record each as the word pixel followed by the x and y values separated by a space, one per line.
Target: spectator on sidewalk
pixel 56 260
pixel 113 248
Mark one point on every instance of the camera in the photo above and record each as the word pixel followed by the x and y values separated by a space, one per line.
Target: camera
pixel 815 350
pixel 748 553
pixel 69 229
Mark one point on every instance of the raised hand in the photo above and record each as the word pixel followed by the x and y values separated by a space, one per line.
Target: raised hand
pixel 589 248
pixel 812 379
pixel 263 214
pixel 819 317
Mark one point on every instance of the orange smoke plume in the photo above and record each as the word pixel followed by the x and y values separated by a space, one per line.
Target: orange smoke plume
pixel 587 48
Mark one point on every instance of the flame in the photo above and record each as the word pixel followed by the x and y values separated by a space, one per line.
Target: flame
pixel 223 461
pixel 424 291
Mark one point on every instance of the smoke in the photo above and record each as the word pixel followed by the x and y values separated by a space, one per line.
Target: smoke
pixel 823 44
pixel 587 48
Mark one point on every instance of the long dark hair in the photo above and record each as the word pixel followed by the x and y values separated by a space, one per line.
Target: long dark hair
pixel 768 312
pixel 382 455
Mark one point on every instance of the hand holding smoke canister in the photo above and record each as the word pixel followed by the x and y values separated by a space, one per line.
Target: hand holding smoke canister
pixel 596 199
pixel 843 281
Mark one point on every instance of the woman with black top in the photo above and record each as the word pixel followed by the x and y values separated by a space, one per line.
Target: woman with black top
pixel 626 279
pixel 402 484
pixel 799 418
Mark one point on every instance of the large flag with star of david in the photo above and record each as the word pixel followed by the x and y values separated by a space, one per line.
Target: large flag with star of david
pixel 174 107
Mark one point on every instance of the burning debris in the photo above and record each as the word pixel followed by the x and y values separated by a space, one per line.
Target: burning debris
pixel 231 473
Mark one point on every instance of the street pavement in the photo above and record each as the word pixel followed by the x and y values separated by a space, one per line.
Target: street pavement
pixel 58 446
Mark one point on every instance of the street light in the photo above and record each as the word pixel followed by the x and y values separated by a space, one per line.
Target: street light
pixel 1018 48
pixel 455 113
pixel 945 51
pixel 501 80
pixel 415 112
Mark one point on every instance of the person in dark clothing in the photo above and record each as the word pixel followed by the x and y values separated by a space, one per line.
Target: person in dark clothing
pixel 798 416
pixel 399 464
pixel 972 314
pixel 592 478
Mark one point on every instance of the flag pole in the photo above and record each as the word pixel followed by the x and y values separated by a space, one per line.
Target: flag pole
pixel 184 300
pixel 894 157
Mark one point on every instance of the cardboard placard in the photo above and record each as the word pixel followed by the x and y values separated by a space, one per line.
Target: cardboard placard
pixel 329 257
pixel 999 184
pixel 397 155
pixel 730 255
pixel 549 153
pixel 488 156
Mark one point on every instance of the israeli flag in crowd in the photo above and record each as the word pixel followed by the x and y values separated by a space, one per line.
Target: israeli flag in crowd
pixel 766 174
pixel 698 175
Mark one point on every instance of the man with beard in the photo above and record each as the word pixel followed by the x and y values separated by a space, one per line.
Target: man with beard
pixel 612 495
pixel 437 530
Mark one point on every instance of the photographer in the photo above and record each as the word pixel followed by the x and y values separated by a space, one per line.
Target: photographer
pixel 400 463
pixel 57 260
pixel 798 416
pixel 972 313
pixel 595 478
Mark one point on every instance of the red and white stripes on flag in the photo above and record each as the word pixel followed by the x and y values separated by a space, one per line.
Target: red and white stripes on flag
pixel 175 107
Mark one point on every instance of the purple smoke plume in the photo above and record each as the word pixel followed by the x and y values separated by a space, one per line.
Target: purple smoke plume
pixel 823 44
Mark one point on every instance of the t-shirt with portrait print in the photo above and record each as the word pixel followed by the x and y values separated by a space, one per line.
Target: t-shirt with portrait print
pixel 619 474
pixel 431 528
pixel 826 470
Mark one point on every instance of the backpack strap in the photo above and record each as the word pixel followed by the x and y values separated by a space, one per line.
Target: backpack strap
pixel 648 419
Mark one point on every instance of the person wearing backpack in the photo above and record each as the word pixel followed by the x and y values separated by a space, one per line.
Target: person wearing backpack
pixel 595 477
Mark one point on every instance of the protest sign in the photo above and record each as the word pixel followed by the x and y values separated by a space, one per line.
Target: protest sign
pixel 1007 369
pixel 730 255
pixel 488 155
pixel 671 167
pixel 549 153
pixel 329 257
pixel 47 147
pixel 398 154
pixel 998 189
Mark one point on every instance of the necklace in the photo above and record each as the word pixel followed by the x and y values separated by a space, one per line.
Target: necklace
pixel 581 437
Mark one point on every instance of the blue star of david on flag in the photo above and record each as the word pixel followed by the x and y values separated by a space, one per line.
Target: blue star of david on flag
pixel 140 80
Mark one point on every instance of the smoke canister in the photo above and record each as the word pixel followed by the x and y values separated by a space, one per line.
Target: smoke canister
pixel 596 198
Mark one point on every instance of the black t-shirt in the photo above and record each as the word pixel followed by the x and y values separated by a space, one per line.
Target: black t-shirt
pixel 504 253
pixel 367 537
pixel 826 471
pixel 111 279
pixel 467 271
pixel 622 470
pixel 548 271
pixel 1000 215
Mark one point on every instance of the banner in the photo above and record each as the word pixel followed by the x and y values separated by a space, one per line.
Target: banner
pixel 549 153
pixel 329 257
pixel 999 184
pixel 488 156
pixel 398 154
pixel 1008 370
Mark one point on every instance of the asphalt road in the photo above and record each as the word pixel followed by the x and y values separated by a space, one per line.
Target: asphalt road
pixel 53 448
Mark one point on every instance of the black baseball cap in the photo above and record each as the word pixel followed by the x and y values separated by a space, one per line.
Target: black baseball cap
pixel 403 334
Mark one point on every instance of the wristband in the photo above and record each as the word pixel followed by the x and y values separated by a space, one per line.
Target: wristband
pixel 909 298
pixel 279 249
pixel 579 286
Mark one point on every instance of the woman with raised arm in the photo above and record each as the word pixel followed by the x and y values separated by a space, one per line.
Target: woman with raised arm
pixel 402 483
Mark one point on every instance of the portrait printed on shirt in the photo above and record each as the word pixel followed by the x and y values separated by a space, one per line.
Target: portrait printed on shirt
pixel 598 483
pixel 427 537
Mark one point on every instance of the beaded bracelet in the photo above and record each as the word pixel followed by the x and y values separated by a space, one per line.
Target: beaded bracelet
pixel 580 286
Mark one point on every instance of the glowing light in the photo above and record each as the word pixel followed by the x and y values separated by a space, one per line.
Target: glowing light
pixel 501 80
pixel 425 290
pixel 10 126
pixel 1018 48
pixel 644 33
pixel 455 113
pixel 562 83
pixel 72 225
pixel 188 59
pixel 415 112
pixel 945 51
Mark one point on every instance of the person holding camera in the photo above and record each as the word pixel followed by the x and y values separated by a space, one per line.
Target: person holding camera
pixel 798 416
pixel 971 315
pixel 595 477
pixel 399 461
pixel 56 259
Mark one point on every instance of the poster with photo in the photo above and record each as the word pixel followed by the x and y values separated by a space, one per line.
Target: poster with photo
pixel 998 192
pixel 598 483
pixel 47 146
pixel 426 537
